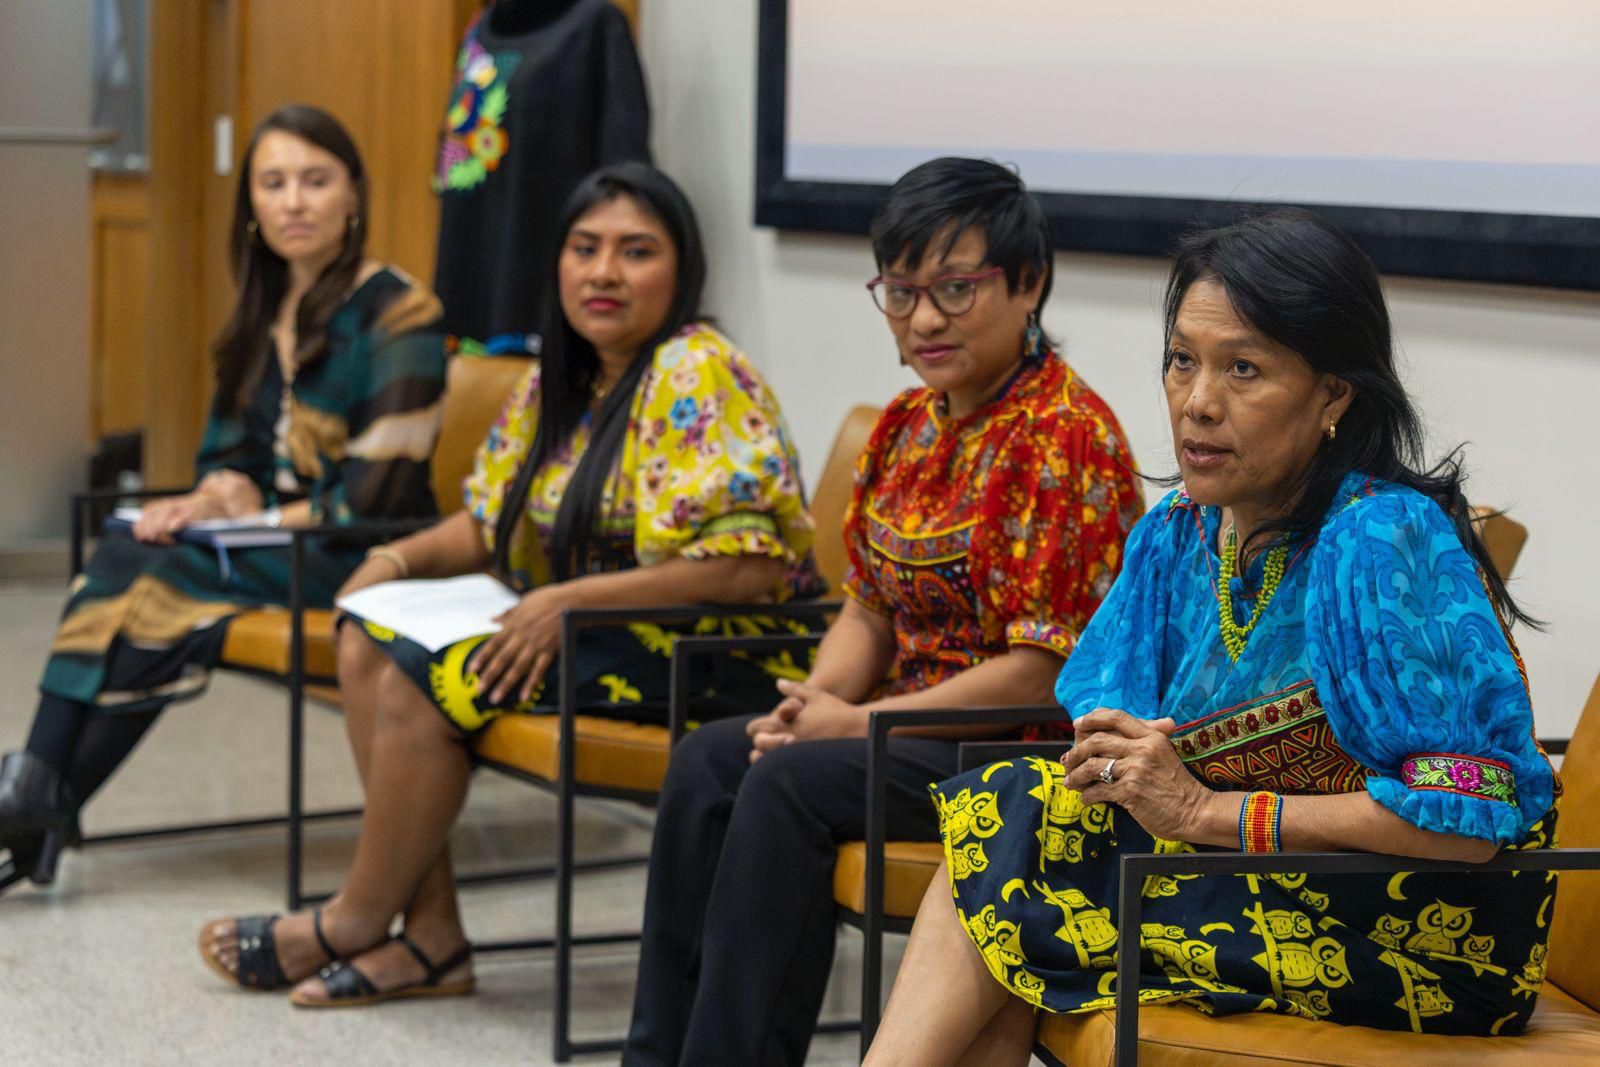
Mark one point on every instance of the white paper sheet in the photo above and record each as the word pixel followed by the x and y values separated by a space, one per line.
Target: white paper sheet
pixel 433 612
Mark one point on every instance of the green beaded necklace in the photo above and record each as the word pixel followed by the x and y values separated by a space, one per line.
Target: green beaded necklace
pixel 1233 635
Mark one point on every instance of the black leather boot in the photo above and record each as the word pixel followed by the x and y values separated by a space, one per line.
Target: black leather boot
pixel 37 818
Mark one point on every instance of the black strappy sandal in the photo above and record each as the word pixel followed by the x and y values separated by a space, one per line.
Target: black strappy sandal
pixel 348 988
pixel 258 953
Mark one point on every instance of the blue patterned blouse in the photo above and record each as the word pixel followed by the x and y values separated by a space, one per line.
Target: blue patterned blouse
pixel 1379 664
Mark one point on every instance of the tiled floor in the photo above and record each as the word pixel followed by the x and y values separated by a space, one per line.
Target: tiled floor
pixel 102 969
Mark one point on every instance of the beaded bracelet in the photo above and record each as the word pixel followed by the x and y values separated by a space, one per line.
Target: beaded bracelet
pixel 393 556
pixel 1260 817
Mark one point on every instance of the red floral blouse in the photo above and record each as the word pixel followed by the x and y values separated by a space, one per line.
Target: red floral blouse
pixel 997 529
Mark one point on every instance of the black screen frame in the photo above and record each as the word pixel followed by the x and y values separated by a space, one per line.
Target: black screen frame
pixel 1553 251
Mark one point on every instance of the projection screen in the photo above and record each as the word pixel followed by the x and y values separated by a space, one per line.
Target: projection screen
pixel 1454 138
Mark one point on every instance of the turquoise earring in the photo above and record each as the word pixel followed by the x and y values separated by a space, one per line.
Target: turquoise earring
pixel 1033 339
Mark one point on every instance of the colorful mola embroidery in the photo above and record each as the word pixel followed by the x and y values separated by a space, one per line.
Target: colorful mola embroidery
pixel 474 139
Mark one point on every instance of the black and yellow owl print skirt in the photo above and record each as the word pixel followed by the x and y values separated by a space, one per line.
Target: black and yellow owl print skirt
pixel 1034 872
pixel 621 672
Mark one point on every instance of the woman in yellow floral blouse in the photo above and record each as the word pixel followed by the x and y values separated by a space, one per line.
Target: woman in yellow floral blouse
pixel 649 465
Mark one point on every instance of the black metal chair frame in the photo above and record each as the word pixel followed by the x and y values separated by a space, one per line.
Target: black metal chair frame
pixel 872 922
pixel 1135 868
pixel 567 789
pixel 295 680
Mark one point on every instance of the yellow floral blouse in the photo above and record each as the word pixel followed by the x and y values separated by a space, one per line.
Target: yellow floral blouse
pixel 706 468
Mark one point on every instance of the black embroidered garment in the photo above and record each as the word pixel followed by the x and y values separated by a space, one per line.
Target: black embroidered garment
pixel 530 115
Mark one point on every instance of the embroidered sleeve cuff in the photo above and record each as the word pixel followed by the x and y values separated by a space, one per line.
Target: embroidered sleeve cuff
pixel 1470 776
pixel 1050 636
pixel 855 590
pixel 750 534
pixel 1450 794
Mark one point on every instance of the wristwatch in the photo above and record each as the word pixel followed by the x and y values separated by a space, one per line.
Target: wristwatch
pixel 272 517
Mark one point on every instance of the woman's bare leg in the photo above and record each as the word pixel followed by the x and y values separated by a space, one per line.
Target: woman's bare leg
pixel 1007 1039
pixel 944 997
pixel 416 772
pixel 417 779
pixel 361 666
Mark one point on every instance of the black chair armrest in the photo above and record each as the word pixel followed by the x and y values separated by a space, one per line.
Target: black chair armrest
pixel 300 537
pixel 879 723
pixel 1136 868
pixel 90 496
pixel 686 649
pixel 812 611
pixel 1554 746
pixel 78 517
pixel 972 754
pixel 362 528
pixel 576 620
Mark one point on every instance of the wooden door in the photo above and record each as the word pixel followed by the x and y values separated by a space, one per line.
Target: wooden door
pixel 383 67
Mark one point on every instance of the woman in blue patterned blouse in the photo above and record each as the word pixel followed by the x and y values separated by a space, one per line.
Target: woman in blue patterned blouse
pixel 1307 649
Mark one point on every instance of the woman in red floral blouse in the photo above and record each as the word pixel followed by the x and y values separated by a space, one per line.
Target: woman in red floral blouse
pixel 990 510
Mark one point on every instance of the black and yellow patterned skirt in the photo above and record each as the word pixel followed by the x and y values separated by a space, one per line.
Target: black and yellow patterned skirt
pixel 1034 872
pixel 621 672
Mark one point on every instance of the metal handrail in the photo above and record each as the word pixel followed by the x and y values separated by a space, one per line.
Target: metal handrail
pixel 47 135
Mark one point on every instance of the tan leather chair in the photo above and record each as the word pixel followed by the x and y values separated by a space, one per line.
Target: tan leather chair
pixel 1503 536
pixel 476 388
pixel 835 486
pixel 1565 1028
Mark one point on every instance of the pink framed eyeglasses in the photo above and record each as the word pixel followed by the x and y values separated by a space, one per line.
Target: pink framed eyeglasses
pixel 952 294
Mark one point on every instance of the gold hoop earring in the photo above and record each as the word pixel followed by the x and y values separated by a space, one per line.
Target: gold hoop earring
pixel 354 221
pixel 252 230
pixel 1332 430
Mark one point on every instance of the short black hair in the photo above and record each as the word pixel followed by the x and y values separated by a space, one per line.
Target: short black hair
pixel 943 198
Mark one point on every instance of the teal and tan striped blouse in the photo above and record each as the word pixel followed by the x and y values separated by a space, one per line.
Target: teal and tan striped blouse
pixel 354 430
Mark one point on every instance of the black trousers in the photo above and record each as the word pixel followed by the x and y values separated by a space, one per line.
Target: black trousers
pixel 739 914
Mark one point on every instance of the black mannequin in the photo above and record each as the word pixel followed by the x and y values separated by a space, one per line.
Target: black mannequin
pixel 512 18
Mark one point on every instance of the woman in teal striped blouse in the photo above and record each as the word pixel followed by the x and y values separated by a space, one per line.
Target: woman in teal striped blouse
pixel 326 407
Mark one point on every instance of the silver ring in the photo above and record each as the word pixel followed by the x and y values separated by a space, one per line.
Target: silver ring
pixel 1105 772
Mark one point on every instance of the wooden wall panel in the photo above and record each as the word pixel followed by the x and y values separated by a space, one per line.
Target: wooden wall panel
pixel 119 333
pixel 179 144
pixel 383 68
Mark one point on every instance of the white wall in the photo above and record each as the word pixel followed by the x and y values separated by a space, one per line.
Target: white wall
pixel 1515 372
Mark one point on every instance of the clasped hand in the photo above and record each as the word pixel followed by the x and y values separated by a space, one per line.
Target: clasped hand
pixel 1148 779
pixel 805 713
pixel 525 647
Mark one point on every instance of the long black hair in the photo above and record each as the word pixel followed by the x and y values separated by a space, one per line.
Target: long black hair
pixel 569 366
pixel 263 275
pixel 1297 280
